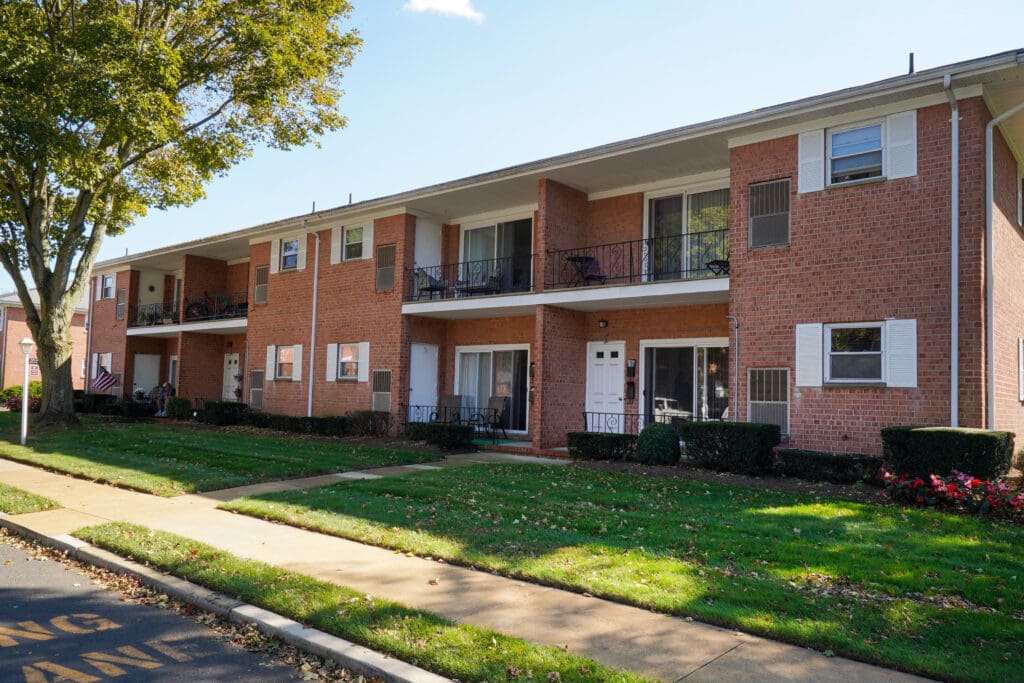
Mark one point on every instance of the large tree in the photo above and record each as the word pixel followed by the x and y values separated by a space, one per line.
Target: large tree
pixel 110 107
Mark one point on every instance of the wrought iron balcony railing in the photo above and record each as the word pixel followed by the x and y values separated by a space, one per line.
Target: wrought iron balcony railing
pixel 216 306
pixel 160 313
pixel 693 256
pixel 470 278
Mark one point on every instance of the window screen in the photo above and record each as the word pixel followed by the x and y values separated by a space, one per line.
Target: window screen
pixel 769 214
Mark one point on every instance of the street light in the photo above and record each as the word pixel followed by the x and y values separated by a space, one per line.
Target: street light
pixel 26 345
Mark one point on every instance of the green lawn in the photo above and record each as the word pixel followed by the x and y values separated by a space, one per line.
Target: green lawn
pixel 917 590
pixel 17 502
pixel 464 652
pixel 170 459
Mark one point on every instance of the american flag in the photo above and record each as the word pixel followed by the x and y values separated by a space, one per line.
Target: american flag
pixel 104 380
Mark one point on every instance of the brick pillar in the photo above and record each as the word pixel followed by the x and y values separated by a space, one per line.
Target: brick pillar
pixel 560 378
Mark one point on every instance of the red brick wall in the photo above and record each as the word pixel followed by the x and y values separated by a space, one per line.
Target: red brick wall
pixel 201 365
pixel 858 253
pixel 560 378
pixel 1008 289
pixel 615 219
pixel 14 361
pixel 237 278
pixel 204 276
pixel 108 333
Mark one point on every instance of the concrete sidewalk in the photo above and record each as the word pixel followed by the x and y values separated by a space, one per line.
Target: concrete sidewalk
pixel 664 647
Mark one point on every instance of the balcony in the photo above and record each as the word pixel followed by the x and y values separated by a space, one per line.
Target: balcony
pixel 213 314
pixel 695 256
pixel 488 277
pixel 160 313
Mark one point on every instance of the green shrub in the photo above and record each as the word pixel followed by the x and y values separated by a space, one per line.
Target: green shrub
pixel 600 446
pixel 91 403
pixel 179 408
pixel 329 425
pixel 34 405
pixel 222 413
pixel 128 409
pixel 369 423
pixel 658 444
pixel 255 418
pixel 445 435
pixel 838 468
pixel 744 447
pixel 922 451
pixel 35 390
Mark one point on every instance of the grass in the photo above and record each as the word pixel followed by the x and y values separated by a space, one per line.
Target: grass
pixel 169 459
pixel 17 502
pixel 917 590
pixel 421 638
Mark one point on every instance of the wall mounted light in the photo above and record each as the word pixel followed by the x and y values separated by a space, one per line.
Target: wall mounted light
pixel 602 323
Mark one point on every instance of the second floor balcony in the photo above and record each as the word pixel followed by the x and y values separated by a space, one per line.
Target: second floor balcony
pixel 692 256
pixel 198 309
pixel 507 275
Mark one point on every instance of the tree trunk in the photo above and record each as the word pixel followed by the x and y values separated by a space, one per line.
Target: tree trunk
pixel 54 353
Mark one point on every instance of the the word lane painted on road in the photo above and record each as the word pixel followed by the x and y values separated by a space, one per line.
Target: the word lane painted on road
pixel 92 665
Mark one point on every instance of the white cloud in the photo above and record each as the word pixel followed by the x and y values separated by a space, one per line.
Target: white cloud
pixel 452 8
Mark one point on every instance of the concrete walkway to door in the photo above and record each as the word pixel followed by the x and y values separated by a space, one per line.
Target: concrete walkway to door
pixel 660 646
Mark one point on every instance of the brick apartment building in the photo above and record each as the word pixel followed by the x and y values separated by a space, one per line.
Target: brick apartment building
pixel 14 328
pixel 823 264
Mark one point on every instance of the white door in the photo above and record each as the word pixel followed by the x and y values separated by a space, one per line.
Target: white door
pixel 422 381
pixel 605 386
pixel 147 372
pixel 232 375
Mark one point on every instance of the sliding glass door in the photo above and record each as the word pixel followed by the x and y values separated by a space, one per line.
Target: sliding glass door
pixel 686 231
pixel 499 255
pixel 484 374
pixel 684 383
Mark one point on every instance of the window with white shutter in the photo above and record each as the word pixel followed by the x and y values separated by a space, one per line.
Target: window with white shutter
pixel 857 353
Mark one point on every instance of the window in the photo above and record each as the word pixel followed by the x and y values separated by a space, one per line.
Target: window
pixel 385 267
pixel 261 286
pixel 855 153
pixel 497 258
pixel 853 352
pixel 107 287
pixel 348 361
pixel 684 381
pixel 353 248
pixel 685 232
pixel 486 373
pixel 289 254
pixel 285 362
pixel 381 391
pixel 769 214
pixel 256 389
pixel 768 397
pixel 105 361
pixel 122 303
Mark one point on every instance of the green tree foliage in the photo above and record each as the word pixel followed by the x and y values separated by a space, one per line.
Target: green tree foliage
pixel 109 107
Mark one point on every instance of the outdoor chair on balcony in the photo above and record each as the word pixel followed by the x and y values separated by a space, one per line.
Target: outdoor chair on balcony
pixel 449 410
pixel 426 283
pixel 493 418
pixel 487 282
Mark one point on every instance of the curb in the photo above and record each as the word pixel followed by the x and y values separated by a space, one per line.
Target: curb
pixel 355 658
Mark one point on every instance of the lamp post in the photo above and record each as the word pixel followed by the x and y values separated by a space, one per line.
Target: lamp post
pixel 26 345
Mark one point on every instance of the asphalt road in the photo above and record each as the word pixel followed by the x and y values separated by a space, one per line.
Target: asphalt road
pixel 56 625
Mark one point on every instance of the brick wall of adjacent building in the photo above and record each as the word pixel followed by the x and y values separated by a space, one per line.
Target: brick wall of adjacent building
pixel 1009 291
pixel 899 227
pixel 16 329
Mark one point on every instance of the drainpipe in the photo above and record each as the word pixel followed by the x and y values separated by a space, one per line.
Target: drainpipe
pixel 954 269
pixel 312 327
pixel 990 306
pixel 736 372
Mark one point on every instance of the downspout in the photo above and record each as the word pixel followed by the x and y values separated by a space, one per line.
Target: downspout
pixel 954 266
pixel 736 372
pixel 990 306
pixel 312 328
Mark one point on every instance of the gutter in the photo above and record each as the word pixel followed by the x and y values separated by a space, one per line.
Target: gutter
pixel 312 326
pixel 990 306
pixel 954 266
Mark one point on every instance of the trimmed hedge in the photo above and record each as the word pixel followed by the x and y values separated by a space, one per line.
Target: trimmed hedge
pixel 601 446
pixel 838 468
pixel 375 423
pixel 179 408
pixel 743 447
pixel 658 444
pixel 445 435
pixel 222 413
pixel 128 409
pixel 923 451
pixel 91 403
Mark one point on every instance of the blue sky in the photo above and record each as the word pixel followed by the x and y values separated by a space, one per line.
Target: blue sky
pixel 447 88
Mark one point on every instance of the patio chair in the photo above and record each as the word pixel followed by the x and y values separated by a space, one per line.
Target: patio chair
pixel 428 284
pixel 449 410
pixel 493 418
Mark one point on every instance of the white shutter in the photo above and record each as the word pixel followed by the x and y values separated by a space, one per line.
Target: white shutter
pixel 271 363
pixel 1020 366
pixel 809 347
pixel 275 256
pixel 297 364
pixel 367 247
pixel 901 353
pixel 1020 199
pixel 811 154
pixel 901 145
pixel 95 365
pixel 336 236
pixel 98 284
pixel 332 362
pixel 301 259
pixel 364 361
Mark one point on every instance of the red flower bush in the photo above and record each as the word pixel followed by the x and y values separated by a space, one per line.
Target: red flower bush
pixel 960 492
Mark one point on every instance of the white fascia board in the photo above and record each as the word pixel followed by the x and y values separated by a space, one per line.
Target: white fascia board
pixel 721 175
pixel 496 216
pixel 855 116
